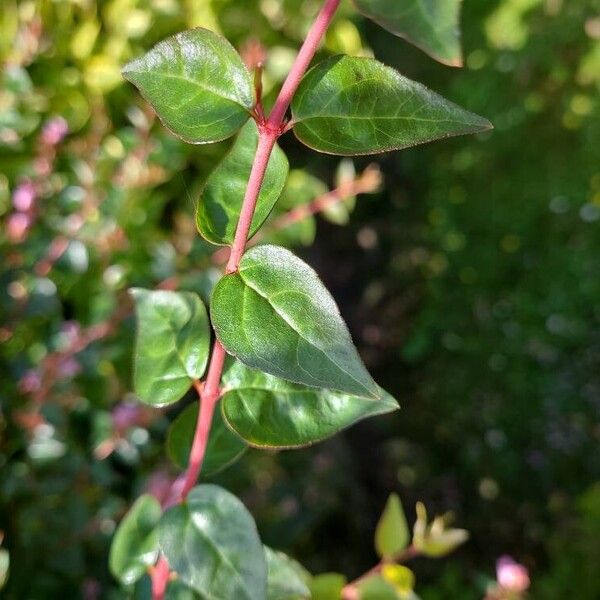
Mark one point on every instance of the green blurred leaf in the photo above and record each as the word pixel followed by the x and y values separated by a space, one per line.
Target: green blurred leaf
pixel 4 566
pixel 432 26
pixel 347 105
pixel 286 579
pixel 211 542
pixel 221 201
pixel 401 578
pixel 392 534
pixel 135 544
pixel 377 588
pixel 275 315
pixel 223 449
pixel 172 344
pixel 327 586
pixel 274 413
pixel 197 83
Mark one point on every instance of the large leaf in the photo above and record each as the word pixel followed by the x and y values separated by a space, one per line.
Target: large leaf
pixel 286 578
pixel 196 83
pixel 327 586
pixel 135 543
pixel 275 315
pixel 392 534
pixel 348 106
pixel 211 542
pixel 172 344
pixel 224 447
pixel 270 412
pixel 221 201
pixel 432 25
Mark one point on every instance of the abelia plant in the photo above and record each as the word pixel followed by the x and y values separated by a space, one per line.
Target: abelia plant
pixel 282 368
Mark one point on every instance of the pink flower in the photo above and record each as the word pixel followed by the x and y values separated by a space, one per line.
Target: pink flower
pixel 54 131
pixel 16 227
pixel 24 196
pixel 511 575
pixel 126 415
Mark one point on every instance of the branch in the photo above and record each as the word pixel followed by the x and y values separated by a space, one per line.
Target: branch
pixel 269 131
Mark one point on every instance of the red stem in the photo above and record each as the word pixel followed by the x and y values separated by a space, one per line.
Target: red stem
pixel 269 131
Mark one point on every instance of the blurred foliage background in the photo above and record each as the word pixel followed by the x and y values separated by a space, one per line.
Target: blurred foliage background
pixel 470 281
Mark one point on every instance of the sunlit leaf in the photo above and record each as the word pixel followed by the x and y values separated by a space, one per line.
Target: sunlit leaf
pixel 275 315
pixel 270 412
pixel 221 200
pixel 347 105
pixel 211 542
pixel 196 83
pixel 172 344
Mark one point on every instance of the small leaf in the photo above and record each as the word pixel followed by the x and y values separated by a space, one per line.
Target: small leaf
pixel 135 544
pixel 269 412
pixel 211 542
pixel 172 344
pixel 223 449
pixel 286 578
pixel 432 26
pixel 327 586
pixel 275 315
pixel 221 202
pixel 392 534
pixel 400 577
pixel 197 84
pixel 347 105
pixel 377 588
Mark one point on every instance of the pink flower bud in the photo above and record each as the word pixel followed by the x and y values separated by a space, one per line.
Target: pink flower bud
pixel 69 367
pixel 511 575
pixel 54 131
pixel 126 415
pixel 30 382
pixel 24 196
pixel 16 227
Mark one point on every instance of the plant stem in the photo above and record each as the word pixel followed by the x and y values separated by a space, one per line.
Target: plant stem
pixel 269 132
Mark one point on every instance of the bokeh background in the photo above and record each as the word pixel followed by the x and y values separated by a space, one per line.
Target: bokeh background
pixel 470 280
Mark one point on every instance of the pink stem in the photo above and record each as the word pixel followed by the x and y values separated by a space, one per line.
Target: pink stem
pixel 209 395
pixel 268 134
pixel 307 52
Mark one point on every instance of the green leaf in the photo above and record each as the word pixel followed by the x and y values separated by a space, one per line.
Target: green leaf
pixel 197 84
pixel 392 534
pixel 327 586
pixel 274 413
pixel 348 106
pixel 221 201
pixel 286 578
pixel 377 588
pixel 135 544
pixel 223 449
pixel 275 315
pixel 432 26
pixel 172 344
pixel 211 542
pixel 4 566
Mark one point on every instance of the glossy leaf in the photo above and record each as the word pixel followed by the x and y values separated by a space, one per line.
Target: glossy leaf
pixel 135 544
pixel 221 201
pixel 223 449
pixel 327 586
pixel 197 84
pixel 270 412
pixel 286 578
pixel 392 534
pixel 433 26
pixel 275 315
pixel 348 105
pixel 172 344
pixel 212 543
